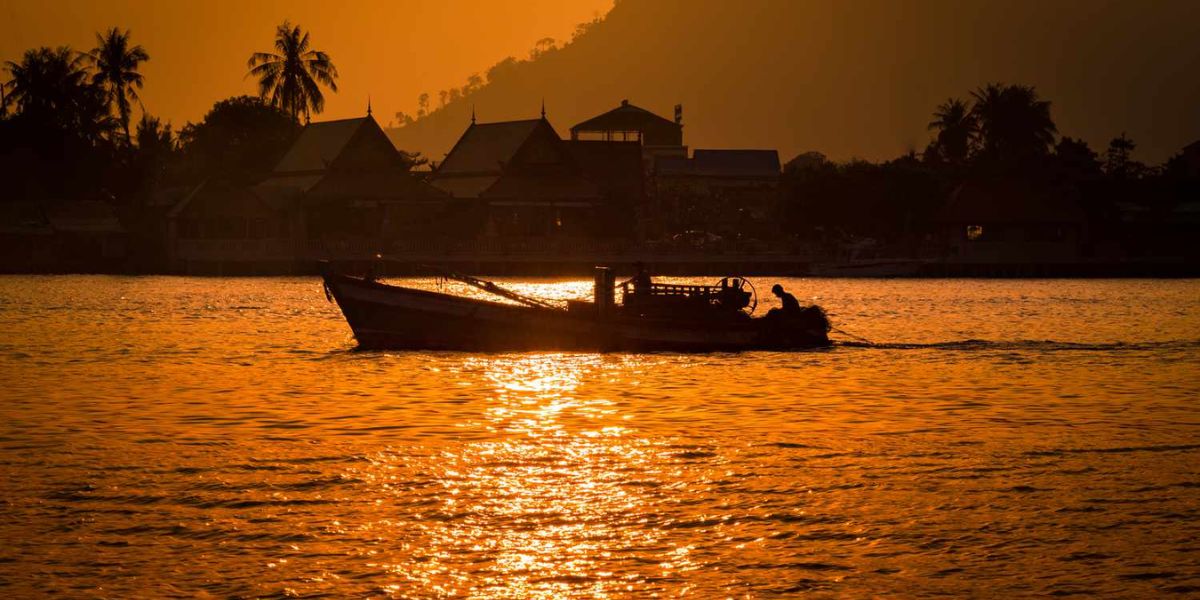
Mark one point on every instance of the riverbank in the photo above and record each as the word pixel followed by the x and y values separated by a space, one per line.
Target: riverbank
pixel 708 265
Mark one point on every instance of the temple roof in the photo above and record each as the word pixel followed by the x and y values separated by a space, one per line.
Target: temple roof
pixel 512 161
pixel 486 147
pixel 319 144
pixel 625 117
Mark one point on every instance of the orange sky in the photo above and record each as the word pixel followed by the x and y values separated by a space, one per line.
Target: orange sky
pixel 392 50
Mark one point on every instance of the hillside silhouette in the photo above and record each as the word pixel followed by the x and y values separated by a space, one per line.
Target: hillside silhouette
pixel 847 79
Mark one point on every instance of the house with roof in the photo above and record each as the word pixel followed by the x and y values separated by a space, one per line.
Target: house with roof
pixel 63 236
pixel 722 191
pixel 616 168
pixel 519 179
pixel 734 192
pixel 1005 222
pixel 341 191
pixel 657 136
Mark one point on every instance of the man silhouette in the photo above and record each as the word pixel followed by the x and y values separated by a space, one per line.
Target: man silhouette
pixel 790 305
pixel 641 280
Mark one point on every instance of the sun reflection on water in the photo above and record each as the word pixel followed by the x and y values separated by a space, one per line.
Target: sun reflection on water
pixel 549 501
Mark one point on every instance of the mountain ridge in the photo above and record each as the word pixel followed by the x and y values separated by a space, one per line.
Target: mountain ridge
pixel 849 80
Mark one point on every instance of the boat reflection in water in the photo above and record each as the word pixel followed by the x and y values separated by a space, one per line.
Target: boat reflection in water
pixel 650 317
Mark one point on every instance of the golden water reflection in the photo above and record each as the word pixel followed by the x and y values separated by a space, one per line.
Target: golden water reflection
pixel 565 486
pixel 170 437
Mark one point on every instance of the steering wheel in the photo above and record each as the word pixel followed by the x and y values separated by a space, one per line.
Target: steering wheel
pixel 740 284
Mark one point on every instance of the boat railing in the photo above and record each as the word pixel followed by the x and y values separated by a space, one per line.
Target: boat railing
pixel 671 289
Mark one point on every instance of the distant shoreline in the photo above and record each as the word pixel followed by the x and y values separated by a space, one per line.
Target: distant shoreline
pixel 748 265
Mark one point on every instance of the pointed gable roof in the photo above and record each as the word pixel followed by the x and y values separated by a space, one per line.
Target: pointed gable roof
pixel 625 117
pixel 512 159
pixel 485 147
pixel 319 144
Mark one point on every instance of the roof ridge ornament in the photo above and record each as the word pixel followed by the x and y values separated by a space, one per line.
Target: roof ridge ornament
pixel 368 105
pixel 543 108
pixel 472 113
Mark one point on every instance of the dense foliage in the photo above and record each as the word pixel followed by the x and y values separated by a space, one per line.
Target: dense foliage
pixel 1006 132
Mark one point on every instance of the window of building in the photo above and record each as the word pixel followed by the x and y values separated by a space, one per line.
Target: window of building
pixel 974 233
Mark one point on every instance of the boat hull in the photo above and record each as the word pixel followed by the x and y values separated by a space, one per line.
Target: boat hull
pixel 389 317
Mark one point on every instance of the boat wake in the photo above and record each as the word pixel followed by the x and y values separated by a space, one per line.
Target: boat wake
pixel 1025 345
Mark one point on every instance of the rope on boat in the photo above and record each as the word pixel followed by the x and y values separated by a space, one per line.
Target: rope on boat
pixel 851 335
pixel 492 288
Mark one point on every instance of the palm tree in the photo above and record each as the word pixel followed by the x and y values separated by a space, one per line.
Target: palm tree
pixel 1014 123
pixel 50 86
pixel 289 78
pixel 46 81
pixel 116 65
pixel 956 128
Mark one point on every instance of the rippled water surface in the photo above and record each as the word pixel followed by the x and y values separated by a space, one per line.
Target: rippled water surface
pixel 218 438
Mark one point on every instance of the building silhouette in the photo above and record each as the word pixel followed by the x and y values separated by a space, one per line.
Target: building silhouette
pixel 66 236
pixel 341 190
pixel 521 180
pixel 996 222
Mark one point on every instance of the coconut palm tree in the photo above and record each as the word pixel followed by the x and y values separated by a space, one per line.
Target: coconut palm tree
pixel 116 71
pixel 50 86
pixel 290 78
pixel 956 128
pixel 45 81
pixel 1014 123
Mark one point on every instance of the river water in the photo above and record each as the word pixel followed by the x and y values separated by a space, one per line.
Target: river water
pixel 215 438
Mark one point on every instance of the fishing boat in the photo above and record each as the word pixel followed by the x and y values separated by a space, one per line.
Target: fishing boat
pixel 650 317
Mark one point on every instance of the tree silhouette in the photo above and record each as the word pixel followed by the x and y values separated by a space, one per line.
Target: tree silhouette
pixel 116 71
pixel 49 86
pixel 45 81
pixel 502 69
pixel 291 78
pixel 1014 124
pixel 543 46
pixel 474 82
pixel 1118 159
pixel 153 153
pixel 956 128
pixel 240 138
pixel 1076 159
pixel 154 136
